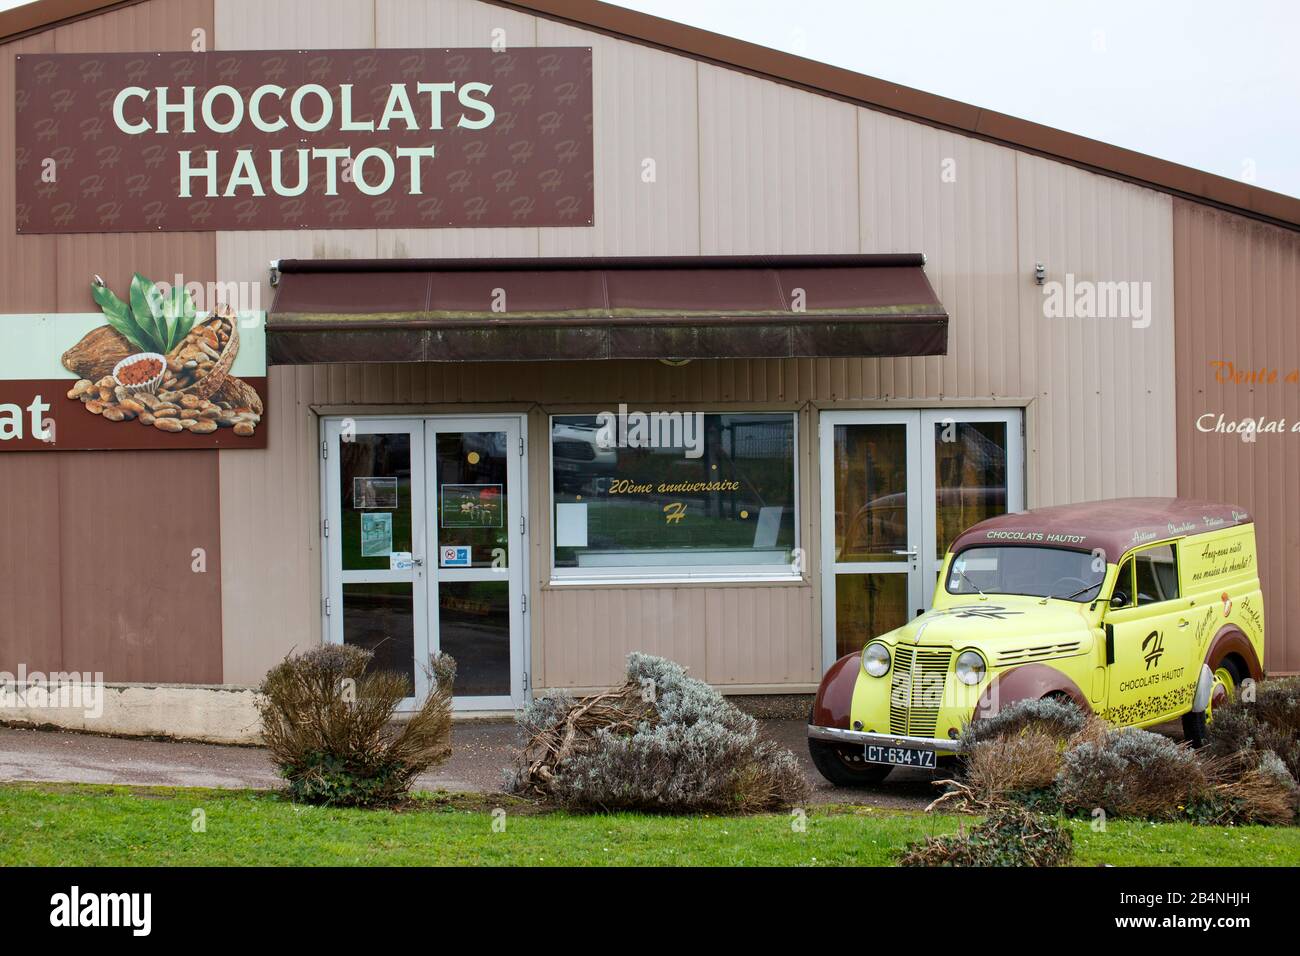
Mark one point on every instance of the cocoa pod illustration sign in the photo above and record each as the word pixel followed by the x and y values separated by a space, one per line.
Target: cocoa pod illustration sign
pixel 324 139
pixel 149 371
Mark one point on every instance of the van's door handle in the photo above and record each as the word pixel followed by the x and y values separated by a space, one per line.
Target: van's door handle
pixel 1182 624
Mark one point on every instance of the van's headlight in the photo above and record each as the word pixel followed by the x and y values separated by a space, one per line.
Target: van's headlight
pixel 875 659
pixel 970 667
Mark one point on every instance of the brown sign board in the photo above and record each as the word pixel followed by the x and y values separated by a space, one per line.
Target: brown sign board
pixel 323 139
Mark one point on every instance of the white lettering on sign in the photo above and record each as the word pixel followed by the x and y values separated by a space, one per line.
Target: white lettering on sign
pixel 310 108
pixel 11 420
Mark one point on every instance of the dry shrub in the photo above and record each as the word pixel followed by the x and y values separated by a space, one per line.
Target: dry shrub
pixel 1016 755
pixel 1131 773
pixel 1010 836
pixel 1262 792
pixel 328 725
pixel 1001 768
pixel 1059 718
pixel 662 741
pixel 1243 731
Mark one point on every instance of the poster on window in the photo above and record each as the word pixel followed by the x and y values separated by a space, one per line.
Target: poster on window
pixel 370 493
pixel 472 506
pixel 376 534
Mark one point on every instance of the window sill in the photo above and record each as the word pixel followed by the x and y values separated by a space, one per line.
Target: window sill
pixel 709 579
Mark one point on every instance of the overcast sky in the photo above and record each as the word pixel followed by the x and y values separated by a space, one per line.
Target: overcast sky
pixel 1214 85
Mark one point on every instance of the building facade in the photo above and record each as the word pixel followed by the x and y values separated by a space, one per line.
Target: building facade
pixel 1093 299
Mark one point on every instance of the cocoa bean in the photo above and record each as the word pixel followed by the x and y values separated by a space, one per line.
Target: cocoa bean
pixel 189 414
pixel 97 354
pixel 203 427
pixel 147 418
pixel 239 394
pixel 131 405
pixel 243 429
pixel 112 413
pixel 166 413
pixel 95 406
pixel 168 425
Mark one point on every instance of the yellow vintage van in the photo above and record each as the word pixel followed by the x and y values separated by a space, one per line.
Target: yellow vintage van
pixel 1141 610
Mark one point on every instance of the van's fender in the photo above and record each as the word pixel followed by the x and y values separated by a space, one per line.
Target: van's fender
pixel 1232 640
pixel 834 699
pixel 1027 682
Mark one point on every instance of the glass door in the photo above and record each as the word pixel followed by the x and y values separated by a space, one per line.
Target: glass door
pixel 422 533
pixel 973 464
pixel 897 489
pixel 374 532
pixel 477 592
pixel 871 526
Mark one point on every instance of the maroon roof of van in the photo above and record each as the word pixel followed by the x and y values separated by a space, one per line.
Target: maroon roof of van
pixel 1115 526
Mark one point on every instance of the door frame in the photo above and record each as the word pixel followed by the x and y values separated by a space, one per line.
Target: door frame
pixel 921 511
pixel 518 505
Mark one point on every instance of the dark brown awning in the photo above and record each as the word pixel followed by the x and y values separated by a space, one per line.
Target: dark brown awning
pixel 494 310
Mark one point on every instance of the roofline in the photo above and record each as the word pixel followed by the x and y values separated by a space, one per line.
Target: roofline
pixel 822 78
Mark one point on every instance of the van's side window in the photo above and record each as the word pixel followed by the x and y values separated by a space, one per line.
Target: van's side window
pixel 1156 574
pixel 1123 594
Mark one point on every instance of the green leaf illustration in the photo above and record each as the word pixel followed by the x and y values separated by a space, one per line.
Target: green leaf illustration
pixel 119 317
pixel 147 310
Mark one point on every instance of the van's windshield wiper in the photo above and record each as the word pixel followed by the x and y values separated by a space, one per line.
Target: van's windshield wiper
pixel 1083 590
pixel 965 578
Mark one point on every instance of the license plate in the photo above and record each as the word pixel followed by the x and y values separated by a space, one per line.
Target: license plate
pixel 900 756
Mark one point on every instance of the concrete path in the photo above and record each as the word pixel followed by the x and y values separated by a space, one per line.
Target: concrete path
pixel 479 753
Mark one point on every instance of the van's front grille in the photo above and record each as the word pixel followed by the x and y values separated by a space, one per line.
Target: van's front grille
pixel 916 689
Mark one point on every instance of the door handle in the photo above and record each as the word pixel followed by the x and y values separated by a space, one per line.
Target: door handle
pixel 1182 624
pixel 418 562
pixel 910 552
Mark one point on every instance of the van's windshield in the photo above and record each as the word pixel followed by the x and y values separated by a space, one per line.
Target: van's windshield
pixel 1035 572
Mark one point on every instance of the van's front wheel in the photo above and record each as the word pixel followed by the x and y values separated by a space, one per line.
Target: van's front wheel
pixel 842 764
pixel 1227 678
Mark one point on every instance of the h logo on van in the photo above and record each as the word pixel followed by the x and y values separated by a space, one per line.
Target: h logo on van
pixel 1154 645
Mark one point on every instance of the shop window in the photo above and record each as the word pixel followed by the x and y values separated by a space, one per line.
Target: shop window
pixel 675 495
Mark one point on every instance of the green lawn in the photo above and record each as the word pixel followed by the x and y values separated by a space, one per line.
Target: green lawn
pixel 49 824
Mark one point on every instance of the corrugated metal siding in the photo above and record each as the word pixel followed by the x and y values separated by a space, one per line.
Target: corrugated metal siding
pixel 740 635
pixel 31 629
pixel 953 198
pixel 1101 423
pixel 1238 300
pixel 778 168
pixel 71 599
pixel 28 264
pixel 294 24
pixel 646 103
pixel 132 604
pixel 743 165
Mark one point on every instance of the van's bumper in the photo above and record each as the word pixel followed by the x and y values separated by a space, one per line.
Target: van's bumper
pixel 862 738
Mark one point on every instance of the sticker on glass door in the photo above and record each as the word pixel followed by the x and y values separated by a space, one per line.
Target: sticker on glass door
pixel 454 556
